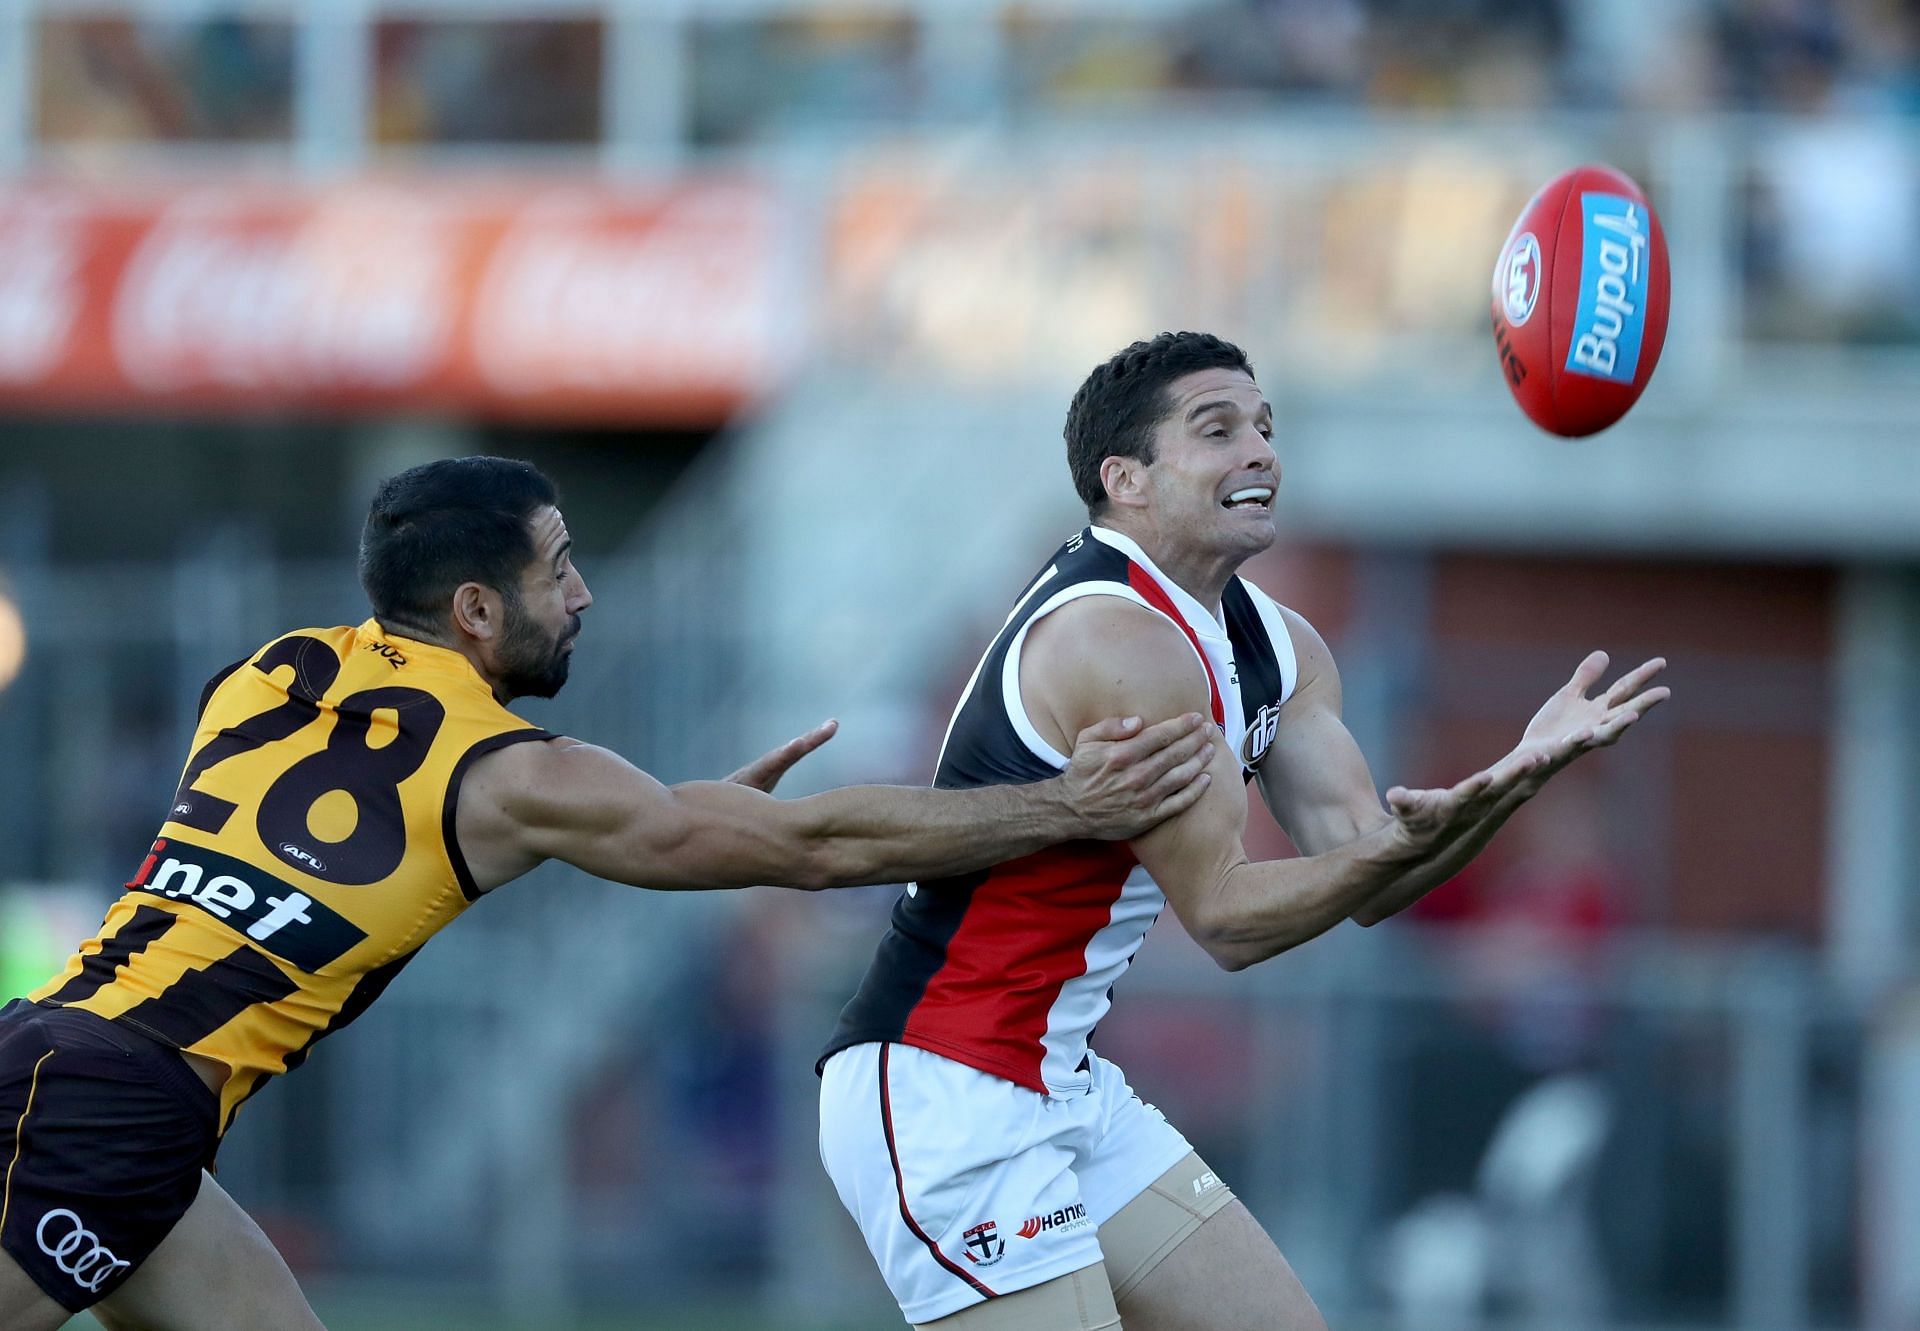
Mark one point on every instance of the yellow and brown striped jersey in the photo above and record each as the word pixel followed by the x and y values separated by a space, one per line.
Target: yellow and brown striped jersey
pixel 308 854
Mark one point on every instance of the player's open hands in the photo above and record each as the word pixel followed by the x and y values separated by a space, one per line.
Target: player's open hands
pixel 1570 723
pixel 764 772
pixel 1428 821
pixel 1123 780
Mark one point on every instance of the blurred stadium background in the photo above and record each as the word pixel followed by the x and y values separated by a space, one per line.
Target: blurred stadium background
pixel 790 295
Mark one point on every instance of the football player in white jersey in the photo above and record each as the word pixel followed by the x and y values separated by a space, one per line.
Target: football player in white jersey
pixel 960 1175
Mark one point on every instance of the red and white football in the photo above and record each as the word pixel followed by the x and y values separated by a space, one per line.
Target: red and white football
pixel 1580 301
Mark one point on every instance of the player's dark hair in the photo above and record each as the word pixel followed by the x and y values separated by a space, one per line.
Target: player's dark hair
pixel 436 526
pixel 1117 408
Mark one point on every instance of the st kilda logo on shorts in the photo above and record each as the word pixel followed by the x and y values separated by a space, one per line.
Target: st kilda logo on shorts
pixel 984 1244
pixel 76 1250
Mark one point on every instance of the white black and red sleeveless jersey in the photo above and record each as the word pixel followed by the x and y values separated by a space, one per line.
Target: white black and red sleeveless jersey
pixel 1009 970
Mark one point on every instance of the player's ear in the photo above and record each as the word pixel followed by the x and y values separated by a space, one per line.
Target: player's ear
pixel 479 611
pixel 1124 480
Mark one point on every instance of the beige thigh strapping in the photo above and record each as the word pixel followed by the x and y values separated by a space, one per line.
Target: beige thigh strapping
pixel 1078 1301
pixel 1152 1225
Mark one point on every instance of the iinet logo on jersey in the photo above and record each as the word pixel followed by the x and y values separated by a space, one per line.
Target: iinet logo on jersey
pixel 275 915
pixel 1063 1221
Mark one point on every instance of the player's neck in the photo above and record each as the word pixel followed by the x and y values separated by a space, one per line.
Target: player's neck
pixel 452 642
pixel 1201 574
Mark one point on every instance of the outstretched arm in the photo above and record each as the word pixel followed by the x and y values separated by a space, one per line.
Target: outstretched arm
pixel 1567 725
pixel 1100 653
pixel 588 806
pixel 1316 782
pixel 1093 653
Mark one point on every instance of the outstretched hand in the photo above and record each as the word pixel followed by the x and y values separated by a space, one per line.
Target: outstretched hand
pixel 1427 820
pixel 1122 780
pixel 764 772
pixel 1569 724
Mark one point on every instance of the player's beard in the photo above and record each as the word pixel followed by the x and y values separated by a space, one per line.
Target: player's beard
pixel 533 664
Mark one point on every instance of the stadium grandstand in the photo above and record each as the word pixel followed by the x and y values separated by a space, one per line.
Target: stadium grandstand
pixel 789 296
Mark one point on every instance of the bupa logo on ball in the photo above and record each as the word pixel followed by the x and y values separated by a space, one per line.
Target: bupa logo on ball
pixel 1613 288
pixel 1522 279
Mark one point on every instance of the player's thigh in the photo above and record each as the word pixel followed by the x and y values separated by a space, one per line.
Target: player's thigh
pixel 215 1272
pixel 1078 1301
pixel 102 1136
pixel 23 1305
pixel 1177 1272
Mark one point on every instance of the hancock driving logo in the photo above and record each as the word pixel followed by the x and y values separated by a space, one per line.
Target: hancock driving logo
pixel 1522 279
pixel 1058 1222
pixel 984 1244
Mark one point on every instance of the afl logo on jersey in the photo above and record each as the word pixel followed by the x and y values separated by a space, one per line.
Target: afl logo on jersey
pixel 1259 737
pixel 305 857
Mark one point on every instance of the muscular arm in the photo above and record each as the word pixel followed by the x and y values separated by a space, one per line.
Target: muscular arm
pixel 1096 653
pixel 1104 654
pixel 1314 778
pixel 1316 784
pixel 588 806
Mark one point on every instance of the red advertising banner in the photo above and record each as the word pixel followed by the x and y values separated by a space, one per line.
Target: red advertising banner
pixel 547 301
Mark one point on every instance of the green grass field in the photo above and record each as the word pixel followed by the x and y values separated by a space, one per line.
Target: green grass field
pixel 363 1311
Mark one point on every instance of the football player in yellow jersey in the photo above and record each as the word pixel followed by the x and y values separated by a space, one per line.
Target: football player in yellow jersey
pixel 352 790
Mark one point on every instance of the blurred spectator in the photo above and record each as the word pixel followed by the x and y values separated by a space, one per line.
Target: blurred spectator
pixel 752 77
pixel 1830 247
pixel 475 81
pixel 218 78
pixel 224 77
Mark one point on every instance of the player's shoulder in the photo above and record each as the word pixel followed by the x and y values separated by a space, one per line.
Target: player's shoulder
pixel 339 637
pixel 1303 635
pixel 1304 654
pixel 1095 626
pixel 1116 652
pixel 539 764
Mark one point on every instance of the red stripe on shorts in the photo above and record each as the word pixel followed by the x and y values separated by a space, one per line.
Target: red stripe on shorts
pixel 900 1184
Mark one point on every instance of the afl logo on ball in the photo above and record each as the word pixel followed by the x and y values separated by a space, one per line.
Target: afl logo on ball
pixel 1522 279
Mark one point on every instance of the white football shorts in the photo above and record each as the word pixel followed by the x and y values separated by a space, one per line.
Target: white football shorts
pixel 967 1186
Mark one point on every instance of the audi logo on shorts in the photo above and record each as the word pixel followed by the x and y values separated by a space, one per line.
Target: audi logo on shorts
pixel 82 1256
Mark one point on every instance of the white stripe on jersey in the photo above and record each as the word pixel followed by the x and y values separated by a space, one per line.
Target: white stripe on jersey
pixel 1010 672
pixel 974 679
pixel 1085 998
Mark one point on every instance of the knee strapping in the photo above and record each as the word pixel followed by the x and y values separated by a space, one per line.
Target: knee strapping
pixel 1148 1228
pixel 1078 1301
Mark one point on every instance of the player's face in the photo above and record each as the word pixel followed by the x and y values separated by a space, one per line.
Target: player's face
pixel 544 618
pixel 1214 474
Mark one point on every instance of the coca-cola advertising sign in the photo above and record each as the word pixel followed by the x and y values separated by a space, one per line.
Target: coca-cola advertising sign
pixel 561 302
